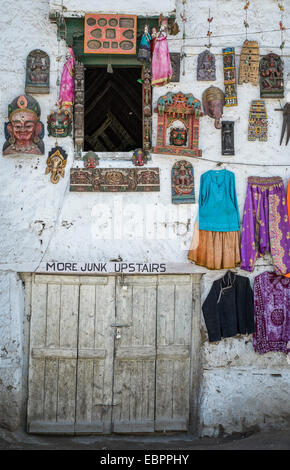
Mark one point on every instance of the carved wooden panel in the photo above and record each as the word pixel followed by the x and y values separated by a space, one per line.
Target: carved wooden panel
pixel 79 106
pixel 147 107
pixel 114 180
pixel 175 64
pixel 110 34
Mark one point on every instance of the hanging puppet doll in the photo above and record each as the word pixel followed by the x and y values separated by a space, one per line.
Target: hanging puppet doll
pixel 161 64
pixel 144 53
pixel 67 88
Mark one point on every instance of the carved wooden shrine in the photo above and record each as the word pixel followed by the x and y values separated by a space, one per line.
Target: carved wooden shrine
pixel 228 143
pixel 37 72
pixel 79 106
pixel 249 63
pixel 115 180
pixel 182 183
pixel 230 77
pixel 271 76
pixel 182 110
pixel 258 122
pixel 206 69
pixel 110 34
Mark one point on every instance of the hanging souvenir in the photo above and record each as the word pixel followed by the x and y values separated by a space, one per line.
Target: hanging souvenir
pixel 230 77
pixel 213 100
pixel 183 110
pixel 59 123
pixel 91 160
pixel 206 69
pixel 154 34
pixel 110 34
pixel 271 76
pixel 228 147
pixel 175 64
pixel 161 65
pixel 140 157
pixel 182 183
pixel 144 53
pixel 249 63
pixel 67 87
pixel 258 122
pixel 286 123
pixel 55 164
pixel 24 131
pixel 37 72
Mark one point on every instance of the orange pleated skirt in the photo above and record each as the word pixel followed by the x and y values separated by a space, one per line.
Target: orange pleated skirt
pixel 215 250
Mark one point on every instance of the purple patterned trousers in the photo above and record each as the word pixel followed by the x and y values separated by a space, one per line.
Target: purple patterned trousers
pixel 265 224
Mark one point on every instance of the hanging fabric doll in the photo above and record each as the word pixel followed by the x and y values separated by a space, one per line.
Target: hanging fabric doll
pixel 67 88
pixel 153 39
pixel 161 65
pixel 144 53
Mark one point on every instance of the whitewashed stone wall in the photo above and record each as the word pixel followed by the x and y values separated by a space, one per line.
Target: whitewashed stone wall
pixel 42 222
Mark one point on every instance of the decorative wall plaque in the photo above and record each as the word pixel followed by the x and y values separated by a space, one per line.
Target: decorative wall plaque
pixel 55 164
pixel 271 77
pixel 230 77
pixel 175 64
pixel 228 143
pixel 140 157
pixel 91 160
pixel 24 131
pixel 213 100
pixel 110 34
pixel 114 180
pixel 175 109
pixel 206 69
pixel 37 72
pixel 258 122
pixel 182 183
pixel 249 63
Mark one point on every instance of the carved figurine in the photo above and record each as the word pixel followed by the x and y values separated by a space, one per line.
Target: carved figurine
pixel 140 157
pixel 178 108
pixel 182 183
pixel 37 72
pixel 228 147
pixel 55 164
pixel 178 136
pixel 91 160
pixel 271 76
pixel 213 101
pixel 249 63
pixel 230 77
pixel 59 123
pixel 24 131
pixel 258 122
pixel 206 69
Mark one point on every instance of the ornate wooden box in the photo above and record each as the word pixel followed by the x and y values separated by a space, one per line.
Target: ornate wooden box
pixel 110 34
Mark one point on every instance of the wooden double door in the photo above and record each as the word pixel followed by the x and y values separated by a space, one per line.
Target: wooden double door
pixel 112 354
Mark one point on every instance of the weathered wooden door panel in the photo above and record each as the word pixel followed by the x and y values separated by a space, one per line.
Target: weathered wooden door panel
pixel 135 351
pixel 95 355
pixel 53 358
pixel 111 354
pixel 174 313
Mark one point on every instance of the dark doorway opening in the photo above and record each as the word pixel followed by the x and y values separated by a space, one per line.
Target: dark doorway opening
pixel 113 109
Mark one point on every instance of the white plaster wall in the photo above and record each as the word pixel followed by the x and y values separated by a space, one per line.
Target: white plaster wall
pixel 45 222
pixel 137 7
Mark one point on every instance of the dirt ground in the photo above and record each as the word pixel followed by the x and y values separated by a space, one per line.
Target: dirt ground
pixel 270 440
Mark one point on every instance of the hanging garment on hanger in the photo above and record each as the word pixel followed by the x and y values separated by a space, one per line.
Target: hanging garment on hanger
pixel 229 309
pixel 265 224
pixel 216 238
pixel 272 313
pixel 161 63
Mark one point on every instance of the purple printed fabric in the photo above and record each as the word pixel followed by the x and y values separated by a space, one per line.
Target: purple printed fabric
pixel 272 313
pixel 266 226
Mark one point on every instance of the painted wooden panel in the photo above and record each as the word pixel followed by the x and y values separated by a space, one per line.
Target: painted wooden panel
pixel 174 312
pixel 134 371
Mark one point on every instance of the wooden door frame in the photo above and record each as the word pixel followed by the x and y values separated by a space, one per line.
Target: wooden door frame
pixel 195 356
